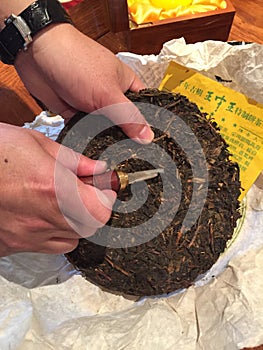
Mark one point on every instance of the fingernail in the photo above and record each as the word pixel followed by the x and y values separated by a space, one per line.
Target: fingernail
pixel 101 166
pixel 107 198
pixel 145 136
pixel 111 196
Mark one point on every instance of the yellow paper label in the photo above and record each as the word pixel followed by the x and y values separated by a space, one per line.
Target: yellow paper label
pixel 240 119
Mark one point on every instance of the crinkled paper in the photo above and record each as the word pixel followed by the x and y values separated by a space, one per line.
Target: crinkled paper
pixel 45 304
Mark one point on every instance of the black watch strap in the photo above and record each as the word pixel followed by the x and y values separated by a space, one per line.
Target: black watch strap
pixel 20 30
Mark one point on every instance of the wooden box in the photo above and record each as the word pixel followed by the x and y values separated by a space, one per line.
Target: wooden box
pixel 148 39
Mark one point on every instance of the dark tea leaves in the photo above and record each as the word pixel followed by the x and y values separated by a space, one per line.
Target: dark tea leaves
pixel 175 257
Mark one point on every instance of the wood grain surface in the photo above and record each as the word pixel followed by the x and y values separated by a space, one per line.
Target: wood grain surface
pixel 260 347
pixel 248 21
pixel 16 104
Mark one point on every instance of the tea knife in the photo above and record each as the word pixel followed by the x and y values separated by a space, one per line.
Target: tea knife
pixel 117 180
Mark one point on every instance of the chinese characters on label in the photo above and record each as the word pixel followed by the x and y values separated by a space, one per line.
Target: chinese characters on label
pixel 240 120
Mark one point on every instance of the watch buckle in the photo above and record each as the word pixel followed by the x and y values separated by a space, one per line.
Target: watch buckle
pixel 22 27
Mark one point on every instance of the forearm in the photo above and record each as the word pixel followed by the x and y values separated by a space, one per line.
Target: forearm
pixel 12 6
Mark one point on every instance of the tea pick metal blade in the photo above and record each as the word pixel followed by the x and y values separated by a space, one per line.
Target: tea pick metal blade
pixel 143 175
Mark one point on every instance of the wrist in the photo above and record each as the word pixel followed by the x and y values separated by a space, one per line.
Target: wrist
pixel 44 42
pixel 20 30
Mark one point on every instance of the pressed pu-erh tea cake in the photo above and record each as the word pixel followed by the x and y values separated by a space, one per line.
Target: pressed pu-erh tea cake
pixel 166 231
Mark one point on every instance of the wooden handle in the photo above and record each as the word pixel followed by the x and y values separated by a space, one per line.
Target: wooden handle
pixel 109 180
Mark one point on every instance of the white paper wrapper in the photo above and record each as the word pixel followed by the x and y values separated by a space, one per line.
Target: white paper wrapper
pixel 45 304
pixel 241 64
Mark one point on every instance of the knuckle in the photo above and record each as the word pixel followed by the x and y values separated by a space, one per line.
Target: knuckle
pixel 67 247
pixel 15 245
pixel 62 246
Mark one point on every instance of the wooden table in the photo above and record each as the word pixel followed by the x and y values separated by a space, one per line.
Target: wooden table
pixel 248 21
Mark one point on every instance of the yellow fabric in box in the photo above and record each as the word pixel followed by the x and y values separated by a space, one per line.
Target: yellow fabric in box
pixel 240 119
pixel 143 11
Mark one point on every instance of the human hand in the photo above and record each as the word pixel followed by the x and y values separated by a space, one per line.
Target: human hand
pixel 69 72
pixel 43 206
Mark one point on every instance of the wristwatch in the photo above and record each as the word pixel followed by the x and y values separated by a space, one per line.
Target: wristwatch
pixel 20 30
